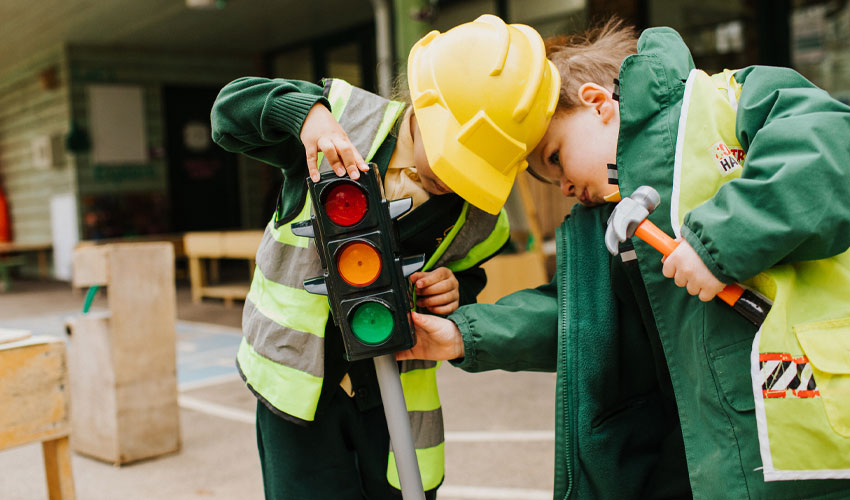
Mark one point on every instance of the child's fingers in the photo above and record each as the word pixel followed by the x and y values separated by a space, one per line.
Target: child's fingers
pixel 349 156
pixel 681 279
pixel 415 276
pixel 424 280
pixel 327 146
pixel 706 295
pixel 444 309
pixel 428 278
pixel 669 267
pixel 312 165
pixel 437 288
pixel 437 300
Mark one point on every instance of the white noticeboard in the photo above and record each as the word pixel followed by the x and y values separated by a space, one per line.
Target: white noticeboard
pixel 63 224
pixel 117 123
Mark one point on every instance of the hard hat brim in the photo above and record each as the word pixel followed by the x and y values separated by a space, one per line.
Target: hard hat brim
pixel 467 174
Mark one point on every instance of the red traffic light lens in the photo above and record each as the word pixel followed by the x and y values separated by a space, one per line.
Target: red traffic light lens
pixel 372 323
pixel 345 204
pixel 358 263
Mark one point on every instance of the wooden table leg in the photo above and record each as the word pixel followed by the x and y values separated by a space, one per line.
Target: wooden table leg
pixel 57 467
pixel 43 268
pixel 196 278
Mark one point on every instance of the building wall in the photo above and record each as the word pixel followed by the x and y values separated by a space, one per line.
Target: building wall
pixel 30 112
pixel 145 185
pixel 820 46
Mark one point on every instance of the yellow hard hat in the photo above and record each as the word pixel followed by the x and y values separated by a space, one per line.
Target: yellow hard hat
pixel 483 93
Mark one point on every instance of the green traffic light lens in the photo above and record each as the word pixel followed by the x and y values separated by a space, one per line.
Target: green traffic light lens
pixel 372 323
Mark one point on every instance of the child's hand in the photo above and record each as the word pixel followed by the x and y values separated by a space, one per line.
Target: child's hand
pixel 688 270
pixel 436 338
pixel 321 133
pixel 436 290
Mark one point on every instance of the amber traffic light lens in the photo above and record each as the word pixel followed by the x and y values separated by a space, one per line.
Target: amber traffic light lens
pixel 358 263
pixel 345 204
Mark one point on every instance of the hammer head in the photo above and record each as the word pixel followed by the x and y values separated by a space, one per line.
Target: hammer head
pixel 628 213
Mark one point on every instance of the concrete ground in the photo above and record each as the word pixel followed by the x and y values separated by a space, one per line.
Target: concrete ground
pixel 499 425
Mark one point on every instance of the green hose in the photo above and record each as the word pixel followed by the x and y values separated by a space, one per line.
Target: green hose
pixel 90 298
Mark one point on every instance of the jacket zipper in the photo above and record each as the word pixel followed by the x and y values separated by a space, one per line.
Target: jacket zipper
pixel 567 369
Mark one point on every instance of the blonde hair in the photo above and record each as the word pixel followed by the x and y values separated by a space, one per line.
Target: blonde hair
pixel 594 56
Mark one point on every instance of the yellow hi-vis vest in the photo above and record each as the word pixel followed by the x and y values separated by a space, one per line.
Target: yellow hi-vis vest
pixel 281 356
pixel 800 363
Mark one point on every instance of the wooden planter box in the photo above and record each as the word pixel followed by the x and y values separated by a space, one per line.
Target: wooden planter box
pixel 123 362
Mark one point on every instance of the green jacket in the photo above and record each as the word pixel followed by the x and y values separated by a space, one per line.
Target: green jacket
pixel 643 367
pixel 616 428
pixel 262 119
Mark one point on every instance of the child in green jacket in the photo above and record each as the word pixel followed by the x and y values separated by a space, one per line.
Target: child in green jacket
pixel 750 165
pixel 321 429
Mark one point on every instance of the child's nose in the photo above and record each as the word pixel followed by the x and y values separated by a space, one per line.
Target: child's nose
pixel 568 188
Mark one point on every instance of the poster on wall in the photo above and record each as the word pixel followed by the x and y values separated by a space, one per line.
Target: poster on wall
pixel 117 121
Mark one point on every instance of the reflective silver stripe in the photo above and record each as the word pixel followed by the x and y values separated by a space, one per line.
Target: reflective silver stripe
pixel 359 120
pixel 476 228
pixel 427 428
pixel 300 350
pixel 286 264
pixel 409 365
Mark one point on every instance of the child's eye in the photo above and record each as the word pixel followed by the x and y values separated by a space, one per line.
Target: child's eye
pixel 555 159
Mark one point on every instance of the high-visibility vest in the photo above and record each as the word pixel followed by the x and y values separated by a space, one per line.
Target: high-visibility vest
pixel 800 362
pixel 281 356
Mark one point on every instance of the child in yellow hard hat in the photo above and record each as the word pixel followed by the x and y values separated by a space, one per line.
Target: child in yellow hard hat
pixel 670 395
pixel 482 95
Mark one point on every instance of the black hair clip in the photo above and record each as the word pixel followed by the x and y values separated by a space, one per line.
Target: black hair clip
pixel 616 94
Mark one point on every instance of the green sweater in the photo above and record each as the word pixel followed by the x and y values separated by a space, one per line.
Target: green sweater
pixel 649 377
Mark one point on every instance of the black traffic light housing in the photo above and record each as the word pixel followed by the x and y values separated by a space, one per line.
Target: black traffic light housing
pixel 365 277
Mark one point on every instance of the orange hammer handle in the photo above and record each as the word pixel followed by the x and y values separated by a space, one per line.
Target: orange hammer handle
pixel 661 241
pixel 657 239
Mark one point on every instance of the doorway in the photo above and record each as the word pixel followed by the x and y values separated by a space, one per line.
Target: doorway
pixel 203 178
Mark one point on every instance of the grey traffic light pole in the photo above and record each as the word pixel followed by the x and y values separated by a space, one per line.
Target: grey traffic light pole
pixel 398 424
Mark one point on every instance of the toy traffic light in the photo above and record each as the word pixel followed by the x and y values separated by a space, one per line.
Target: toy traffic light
pixel 365 278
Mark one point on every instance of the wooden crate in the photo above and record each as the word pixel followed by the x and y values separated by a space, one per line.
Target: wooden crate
pixel 123 362
pixel 34 395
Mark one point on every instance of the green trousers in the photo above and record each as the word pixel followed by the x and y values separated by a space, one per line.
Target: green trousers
pixel 342 455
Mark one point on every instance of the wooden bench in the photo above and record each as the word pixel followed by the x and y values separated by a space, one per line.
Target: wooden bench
pixel 6 266
pixel 34 392
pixel 12 255
pixel 203 249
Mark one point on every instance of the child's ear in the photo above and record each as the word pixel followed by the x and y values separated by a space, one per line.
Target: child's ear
pixel 599 98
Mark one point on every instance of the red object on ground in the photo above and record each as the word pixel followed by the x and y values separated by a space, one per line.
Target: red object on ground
pixel 5 219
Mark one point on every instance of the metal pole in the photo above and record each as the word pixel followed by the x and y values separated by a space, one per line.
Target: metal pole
pixel 383 43
pixel 398 424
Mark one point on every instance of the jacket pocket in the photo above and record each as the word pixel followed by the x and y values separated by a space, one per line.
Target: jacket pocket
pixel 827 345
pixel 732 365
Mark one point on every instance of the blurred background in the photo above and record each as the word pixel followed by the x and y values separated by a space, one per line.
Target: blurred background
pixel 104 105
pixel 105 137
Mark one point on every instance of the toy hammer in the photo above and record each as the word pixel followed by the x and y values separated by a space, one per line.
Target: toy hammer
pixel 629 218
